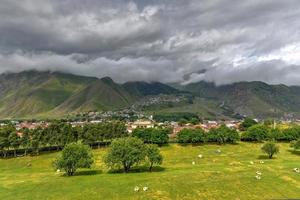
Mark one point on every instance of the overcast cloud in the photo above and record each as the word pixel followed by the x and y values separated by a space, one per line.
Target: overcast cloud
pixel 223 41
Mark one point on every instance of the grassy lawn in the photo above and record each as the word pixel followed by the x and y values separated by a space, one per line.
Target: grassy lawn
pixel 228 175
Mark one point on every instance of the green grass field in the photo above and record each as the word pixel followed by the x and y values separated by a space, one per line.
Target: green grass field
pixel 228 175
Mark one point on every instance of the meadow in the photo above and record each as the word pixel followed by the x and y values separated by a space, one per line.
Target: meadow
pixel 226 175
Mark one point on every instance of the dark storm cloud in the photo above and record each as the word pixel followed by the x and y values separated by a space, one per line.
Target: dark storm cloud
pixel 154 40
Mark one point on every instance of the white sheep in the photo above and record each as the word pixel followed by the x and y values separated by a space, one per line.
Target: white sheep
pixel 145 189
pixel 297 170
pixel 136 188
pixel 200 156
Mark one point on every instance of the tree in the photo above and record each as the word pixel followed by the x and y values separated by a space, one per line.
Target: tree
pixel 247 123
pixel 125 152
pixel 270 148
pixel 191 136
pixel 223 134
pixel 152 135
pixel 256 133
pixel 14 141
pixel 74 156
pixel 153 155
pixel 25 140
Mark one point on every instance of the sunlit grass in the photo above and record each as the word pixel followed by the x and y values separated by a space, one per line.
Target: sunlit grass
pixel 228 175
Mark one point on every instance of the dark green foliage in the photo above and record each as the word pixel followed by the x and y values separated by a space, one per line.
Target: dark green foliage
pixel 191 136
pixel 247 123
pixel 256 133
pixel 58 135
pixel 73 157
pixel 270 148
pixel 292 133
pixel 152 135
pixel 223 135
pixel 125 152
pixel 175 116
pixel 153 156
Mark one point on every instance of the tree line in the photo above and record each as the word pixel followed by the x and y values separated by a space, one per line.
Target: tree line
pixel 56 136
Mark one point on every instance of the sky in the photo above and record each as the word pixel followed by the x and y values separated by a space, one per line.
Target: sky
pixel 185 41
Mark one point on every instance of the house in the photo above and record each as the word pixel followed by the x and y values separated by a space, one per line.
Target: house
pixel 140 124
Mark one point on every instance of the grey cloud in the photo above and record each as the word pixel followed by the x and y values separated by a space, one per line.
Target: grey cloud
pixel 153 40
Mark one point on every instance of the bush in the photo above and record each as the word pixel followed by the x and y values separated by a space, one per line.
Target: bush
pixel 191 136
pixel 74 156
pixel 270 148
pixel 257 133
pixel 125 152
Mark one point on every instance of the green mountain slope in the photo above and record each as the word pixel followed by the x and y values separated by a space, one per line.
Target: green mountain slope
pixel 140 88
pixel 102 94
pixel 256 99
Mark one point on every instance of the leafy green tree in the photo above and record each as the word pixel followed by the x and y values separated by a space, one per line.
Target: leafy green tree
pixel 191 136
pixel 270 148
pixel 153 155
pixel 152 135
pixel 223 135
pixel 14 141
pixel 194 121
pixel 25 140
pixel 256 133
pixel 36 140
pixel 182 122
pixel 73 157
pixel 125 152
pixel 247 123
pixel 4 141
pixel 292 133
pixel 276 134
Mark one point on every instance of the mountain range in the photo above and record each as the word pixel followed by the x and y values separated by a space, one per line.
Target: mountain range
pixel 34 94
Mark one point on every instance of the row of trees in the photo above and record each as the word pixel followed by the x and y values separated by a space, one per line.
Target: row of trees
pixel 123 153
pixel 220 135
pixel 261 132
pixel 57 135
pixel 158 136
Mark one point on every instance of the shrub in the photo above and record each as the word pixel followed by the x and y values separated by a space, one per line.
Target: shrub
pixel 295 144
pixel 270 148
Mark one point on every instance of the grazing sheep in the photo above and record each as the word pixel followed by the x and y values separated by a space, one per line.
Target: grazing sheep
pixel 193 163
pixel 258 177
pixel 218 151
pixel 136 188
pixel 200 156
pixel 251 163
pixel 258 173
pixel 261 162
pixel 145 189
pixel 297 170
